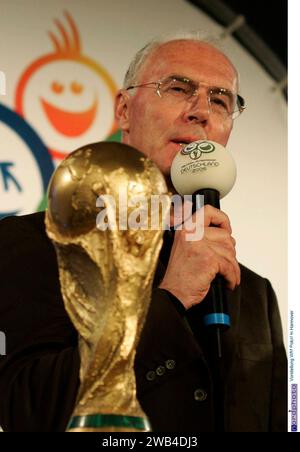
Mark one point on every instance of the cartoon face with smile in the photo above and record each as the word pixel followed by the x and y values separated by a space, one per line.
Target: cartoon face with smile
pixel 67 96
pixel 74 94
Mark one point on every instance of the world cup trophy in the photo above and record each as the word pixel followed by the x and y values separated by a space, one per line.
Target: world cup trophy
pixel 106 270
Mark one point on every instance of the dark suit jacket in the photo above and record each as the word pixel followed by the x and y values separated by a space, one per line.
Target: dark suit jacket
pixel 39 374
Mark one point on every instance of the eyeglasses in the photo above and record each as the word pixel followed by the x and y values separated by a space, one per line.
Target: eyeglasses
pixel 222 102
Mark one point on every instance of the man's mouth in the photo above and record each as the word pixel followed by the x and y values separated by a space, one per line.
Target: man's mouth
pixel 184 141
pixel 180 144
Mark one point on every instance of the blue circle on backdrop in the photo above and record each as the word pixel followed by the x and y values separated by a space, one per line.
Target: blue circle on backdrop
pixel 34 144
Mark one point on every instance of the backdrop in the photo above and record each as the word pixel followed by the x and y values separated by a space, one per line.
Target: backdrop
pixel 60 65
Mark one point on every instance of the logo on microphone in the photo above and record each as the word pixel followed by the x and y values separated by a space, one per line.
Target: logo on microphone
pixel 197 148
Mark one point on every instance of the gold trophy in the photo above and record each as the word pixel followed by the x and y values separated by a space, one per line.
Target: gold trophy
pixel 106 273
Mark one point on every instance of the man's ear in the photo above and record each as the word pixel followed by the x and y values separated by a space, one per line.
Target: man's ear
pixel 121 110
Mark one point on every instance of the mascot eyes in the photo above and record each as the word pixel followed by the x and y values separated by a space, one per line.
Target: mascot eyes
pixel 57 87
pixel 77 88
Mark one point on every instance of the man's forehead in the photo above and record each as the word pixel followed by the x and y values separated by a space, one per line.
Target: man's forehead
pixel 171 50
pixel 188 57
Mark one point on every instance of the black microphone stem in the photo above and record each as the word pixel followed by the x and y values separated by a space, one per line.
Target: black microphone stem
pixel 215 304
pixel 214 314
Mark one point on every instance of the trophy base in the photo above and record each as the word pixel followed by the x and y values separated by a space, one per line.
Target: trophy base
pixel 108 423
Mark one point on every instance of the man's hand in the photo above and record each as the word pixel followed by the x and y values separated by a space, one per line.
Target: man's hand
pixel 193 265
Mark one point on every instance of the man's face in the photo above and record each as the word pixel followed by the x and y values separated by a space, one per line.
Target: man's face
pixel 155 126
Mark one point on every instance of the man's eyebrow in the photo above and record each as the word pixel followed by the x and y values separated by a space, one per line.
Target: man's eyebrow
pixel 224 91
pixel 184 78
pixel 180 77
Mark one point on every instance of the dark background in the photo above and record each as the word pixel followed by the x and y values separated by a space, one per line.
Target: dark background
pixel 268 19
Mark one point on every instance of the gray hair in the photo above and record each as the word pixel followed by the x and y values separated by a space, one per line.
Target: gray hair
pixel 131 77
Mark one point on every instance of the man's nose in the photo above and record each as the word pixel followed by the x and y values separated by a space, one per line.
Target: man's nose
pixel 198 109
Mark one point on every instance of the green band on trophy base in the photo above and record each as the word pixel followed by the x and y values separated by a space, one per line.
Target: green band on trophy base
pixel 109 420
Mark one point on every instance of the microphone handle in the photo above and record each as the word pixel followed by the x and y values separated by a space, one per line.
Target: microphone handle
pixel 214 306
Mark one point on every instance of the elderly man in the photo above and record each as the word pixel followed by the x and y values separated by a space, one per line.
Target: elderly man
pixel 175 92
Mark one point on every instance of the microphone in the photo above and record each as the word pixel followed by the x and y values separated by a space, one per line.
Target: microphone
pixel 207 168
